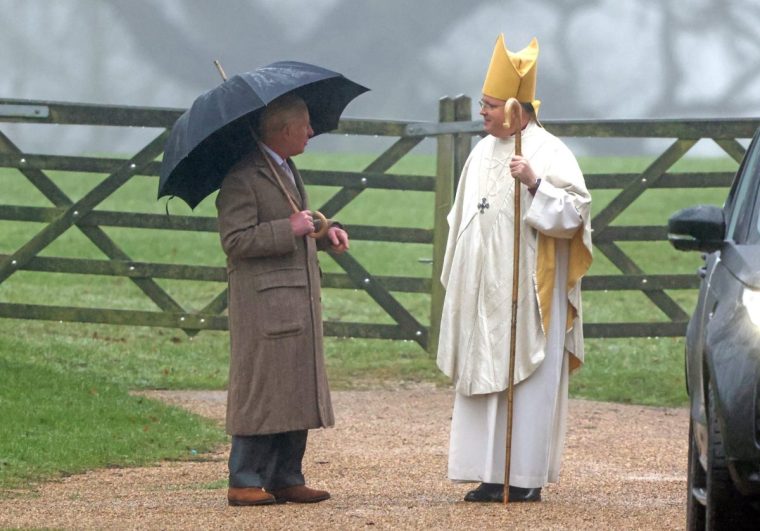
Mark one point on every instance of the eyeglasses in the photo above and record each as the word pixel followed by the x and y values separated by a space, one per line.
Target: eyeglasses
pixel 486 105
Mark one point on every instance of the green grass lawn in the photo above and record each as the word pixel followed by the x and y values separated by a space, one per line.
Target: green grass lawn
pixel 65 422
pixel 64 387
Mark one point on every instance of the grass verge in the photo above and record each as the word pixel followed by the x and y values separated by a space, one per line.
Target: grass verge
pixel 57 423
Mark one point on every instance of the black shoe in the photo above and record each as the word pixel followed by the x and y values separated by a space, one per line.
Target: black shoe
pixel 519 494
pixel 494 492
pixel 486 492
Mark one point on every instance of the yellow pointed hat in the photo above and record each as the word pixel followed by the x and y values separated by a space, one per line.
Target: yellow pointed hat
pixel 513 74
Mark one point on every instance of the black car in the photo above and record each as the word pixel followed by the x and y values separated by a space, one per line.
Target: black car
pixel 723 354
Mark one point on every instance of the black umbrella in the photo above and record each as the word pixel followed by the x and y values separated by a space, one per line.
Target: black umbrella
pixel 215 132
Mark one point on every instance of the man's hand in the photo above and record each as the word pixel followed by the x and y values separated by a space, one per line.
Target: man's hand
pixel 301 223
pixel 338 239
pixel 520 168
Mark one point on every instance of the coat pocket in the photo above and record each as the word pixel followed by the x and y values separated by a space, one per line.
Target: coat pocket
pixel 284 298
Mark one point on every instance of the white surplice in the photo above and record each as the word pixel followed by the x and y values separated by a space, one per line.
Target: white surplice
pixel 479 422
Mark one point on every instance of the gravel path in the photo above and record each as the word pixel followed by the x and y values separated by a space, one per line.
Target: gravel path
pixel 385 465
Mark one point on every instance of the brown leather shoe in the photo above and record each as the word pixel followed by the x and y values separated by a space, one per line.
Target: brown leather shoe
pixel 300 494
pixel 249 496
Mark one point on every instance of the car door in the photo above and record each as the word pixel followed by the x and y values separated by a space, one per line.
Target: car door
pixel 738 212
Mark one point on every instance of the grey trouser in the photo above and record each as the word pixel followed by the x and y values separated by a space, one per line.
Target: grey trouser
pixel 270 461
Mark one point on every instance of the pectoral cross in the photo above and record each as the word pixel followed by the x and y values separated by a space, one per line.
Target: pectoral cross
pixel 483 205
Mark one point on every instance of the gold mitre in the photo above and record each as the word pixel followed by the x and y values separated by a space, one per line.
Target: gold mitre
pixel 513 74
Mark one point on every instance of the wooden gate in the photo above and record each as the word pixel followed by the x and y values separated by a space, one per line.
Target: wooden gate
pixel 82 213
pixel 453 134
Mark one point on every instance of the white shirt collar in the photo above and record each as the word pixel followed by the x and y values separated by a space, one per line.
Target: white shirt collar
pixel 275 157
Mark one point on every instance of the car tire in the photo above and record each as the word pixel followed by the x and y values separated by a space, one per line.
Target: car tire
pixel 696 486
pixel 725 507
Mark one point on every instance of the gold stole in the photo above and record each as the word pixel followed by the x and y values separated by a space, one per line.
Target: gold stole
pixel 579 261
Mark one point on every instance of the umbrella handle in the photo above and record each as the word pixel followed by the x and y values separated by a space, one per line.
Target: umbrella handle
pixel 324 225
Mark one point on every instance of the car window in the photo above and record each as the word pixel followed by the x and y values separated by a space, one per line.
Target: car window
pixel 741 211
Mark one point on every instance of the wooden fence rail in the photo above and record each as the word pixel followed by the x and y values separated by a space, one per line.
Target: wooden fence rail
pixel 453 134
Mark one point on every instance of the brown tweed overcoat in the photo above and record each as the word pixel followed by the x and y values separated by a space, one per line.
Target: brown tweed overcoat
pixel 277 377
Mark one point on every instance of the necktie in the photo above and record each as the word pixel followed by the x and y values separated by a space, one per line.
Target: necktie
pixel 286 170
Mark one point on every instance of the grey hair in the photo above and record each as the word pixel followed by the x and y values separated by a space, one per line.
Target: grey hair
pixel 279 112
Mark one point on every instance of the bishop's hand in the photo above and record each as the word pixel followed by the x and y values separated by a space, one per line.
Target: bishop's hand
pixel 520 168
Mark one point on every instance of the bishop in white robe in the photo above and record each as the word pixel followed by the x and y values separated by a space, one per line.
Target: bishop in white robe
pixel 555 252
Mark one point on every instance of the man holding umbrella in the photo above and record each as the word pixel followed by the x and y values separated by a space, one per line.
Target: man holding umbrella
pixel 548 253
pixel 240 137
pixel 278 386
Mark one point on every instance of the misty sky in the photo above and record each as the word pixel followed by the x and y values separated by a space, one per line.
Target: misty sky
pixel 598 58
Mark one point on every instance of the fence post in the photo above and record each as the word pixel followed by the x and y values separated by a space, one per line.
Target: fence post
pixel 462 142
pixel 444 194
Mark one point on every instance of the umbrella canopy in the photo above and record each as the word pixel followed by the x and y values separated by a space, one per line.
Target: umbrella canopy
pixel 215 132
